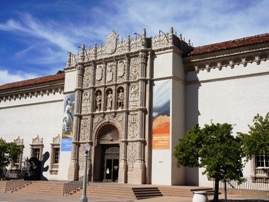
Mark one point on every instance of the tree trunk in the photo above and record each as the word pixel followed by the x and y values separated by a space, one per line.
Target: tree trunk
pixel 216 193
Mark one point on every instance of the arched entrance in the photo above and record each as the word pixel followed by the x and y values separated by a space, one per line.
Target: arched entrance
pixel 110 163
pixel 107 154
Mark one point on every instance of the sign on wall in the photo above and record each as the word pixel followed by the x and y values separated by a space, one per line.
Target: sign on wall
pixel 161 115
pixel 68 119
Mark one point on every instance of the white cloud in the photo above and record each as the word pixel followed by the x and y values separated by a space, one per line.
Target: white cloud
pixel 47 38
pixel 7 77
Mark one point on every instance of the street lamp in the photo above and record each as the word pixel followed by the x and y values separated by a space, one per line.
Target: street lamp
pixel 86 153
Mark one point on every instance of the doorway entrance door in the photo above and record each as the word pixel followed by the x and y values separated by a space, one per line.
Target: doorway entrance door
pixel 111 170
pixel 111 163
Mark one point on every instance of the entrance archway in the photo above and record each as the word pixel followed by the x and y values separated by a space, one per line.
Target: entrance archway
pixel 110 162
pixel 107 154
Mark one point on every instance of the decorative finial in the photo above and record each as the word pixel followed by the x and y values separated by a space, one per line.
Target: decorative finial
pixel 144 32
pixel 171 30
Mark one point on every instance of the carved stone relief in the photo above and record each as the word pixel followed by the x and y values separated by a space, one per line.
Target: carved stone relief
pixel 133 95
pixel 56 140
pixel 37 140
pixel 111 43
pixel 119 117
pixel 97 119
pixel 86 102
pixel 136 43
pixel 98 100
pixel 109 134
pixel 131 155
pixel 19 141
pixel 133 126
pixel 122 47
pixel 100 51
pixel 84 130
pixel 120 98
pixel 160 41
pixel 87 78
pixel 134 68
pixel 121 70
pixel 109 101
pixel 81 157
pixel 110 72
pixel 99 74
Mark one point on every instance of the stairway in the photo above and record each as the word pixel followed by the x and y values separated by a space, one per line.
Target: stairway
pixel 146 192
pixel 2 186
pixel 42 187
pixel 176 191
pixel 108 191
pixel 127 191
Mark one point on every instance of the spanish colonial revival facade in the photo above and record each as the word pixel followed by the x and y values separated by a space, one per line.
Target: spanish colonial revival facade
pixel 132 100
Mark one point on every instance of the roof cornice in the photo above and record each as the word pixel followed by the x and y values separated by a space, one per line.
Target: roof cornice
pixel 32 88
pixel 228 57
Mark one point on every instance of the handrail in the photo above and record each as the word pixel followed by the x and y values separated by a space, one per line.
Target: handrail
pixel 72 185
pixel 13 184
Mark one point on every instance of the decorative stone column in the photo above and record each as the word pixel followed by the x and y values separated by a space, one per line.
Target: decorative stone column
pixel 74 166
pixel 123 151
pixel 148 119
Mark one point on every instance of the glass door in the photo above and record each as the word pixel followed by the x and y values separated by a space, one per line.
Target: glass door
pixel 111 169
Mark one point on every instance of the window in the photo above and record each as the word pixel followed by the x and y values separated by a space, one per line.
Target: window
pixel 37 148
pixel 260 168
pixel 36 153
pixel 18 163
pixel 55 155
pixel 262 161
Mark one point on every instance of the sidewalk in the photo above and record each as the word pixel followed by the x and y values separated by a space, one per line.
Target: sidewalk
pixel 13 197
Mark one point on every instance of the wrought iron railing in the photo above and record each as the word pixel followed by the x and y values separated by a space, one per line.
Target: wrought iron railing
pixel 72 186
pixel 14 184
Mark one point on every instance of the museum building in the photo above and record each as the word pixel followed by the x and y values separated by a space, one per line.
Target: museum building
pixel 132 100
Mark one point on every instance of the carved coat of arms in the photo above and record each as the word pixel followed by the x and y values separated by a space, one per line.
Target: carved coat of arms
pixel 99 72
pixel 121 68
pixel 111 43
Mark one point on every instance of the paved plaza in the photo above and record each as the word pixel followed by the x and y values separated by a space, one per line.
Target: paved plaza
pixel 13 197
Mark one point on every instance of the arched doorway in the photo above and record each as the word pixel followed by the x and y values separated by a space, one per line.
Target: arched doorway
pixel 107 154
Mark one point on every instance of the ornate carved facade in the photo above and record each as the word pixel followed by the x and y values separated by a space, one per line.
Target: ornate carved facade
pixel 123 91
pixel 112 88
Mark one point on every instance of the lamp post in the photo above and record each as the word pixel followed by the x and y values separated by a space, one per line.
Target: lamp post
pixel 86 153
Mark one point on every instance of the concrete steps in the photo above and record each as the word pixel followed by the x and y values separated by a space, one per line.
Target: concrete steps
pixel 2 186
pixel 108 191
pixel 42 187
pixel 146 192
pixel 176 191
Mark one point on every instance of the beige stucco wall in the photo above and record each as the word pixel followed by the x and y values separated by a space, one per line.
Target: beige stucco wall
pixel 31 117
pixel 65 158
pixel 229 95
pixel 168 66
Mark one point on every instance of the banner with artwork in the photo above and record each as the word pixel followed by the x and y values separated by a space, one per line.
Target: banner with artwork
pixel 67 124
pixel 161 115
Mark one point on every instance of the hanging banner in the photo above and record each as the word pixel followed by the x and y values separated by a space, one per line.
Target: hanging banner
pixel 68 119
pixel 161 115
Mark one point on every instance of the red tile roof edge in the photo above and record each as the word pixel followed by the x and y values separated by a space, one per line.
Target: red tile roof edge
pixel 236 43
pixel 34 81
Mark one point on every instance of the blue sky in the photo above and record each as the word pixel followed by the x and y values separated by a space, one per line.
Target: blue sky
pixel 35 35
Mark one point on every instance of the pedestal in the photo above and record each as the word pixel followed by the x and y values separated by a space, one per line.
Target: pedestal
pixel 200 196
